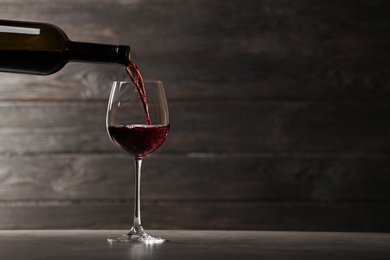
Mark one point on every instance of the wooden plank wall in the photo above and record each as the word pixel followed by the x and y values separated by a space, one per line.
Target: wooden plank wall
pixel 279 112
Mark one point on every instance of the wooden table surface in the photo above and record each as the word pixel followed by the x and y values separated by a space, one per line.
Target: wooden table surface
pixel 92 244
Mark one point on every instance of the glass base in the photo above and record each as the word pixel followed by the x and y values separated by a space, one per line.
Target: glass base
pixel 137 235
pixel 145 239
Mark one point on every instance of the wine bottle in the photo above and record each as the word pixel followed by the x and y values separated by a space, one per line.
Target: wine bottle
pixel 43 49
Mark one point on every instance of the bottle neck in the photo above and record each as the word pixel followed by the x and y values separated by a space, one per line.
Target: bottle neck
pixel 98 53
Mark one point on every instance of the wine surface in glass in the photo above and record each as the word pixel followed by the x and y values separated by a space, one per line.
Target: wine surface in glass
pixel 139 140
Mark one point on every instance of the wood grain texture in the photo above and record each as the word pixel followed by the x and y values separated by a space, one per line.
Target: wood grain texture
pixel 360 217
pixel 279 112
pixel 109 177
pixel 221 49
pixel 205 127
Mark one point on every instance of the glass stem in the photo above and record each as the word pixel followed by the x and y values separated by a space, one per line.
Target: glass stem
pixel 137 228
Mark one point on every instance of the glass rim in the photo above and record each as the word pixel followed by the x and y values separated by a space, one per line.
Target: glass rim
pixel 145 81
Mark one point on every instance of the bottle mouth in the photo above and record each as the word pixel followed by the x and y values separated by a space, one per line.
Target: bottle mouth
pixel 129 55
pixel 124 51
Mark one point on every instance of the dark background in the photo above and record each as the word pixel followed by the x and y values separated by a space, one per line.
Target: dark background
pixel 280 118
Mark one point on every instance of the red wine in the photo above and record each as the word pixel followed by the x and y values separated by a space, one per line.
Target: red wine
pixel 138 140
pixel 135 76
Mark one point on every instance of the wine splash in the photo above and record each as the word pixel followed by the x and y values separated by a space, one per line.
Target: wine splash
pixel 135 76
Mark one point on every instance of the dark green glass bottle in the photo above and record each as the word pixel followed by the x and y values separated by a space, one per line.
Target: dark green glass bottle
pixel 43 49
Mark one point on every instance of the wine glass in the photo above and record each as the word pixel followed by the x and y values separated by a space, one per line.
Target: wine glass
pixel 138 126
